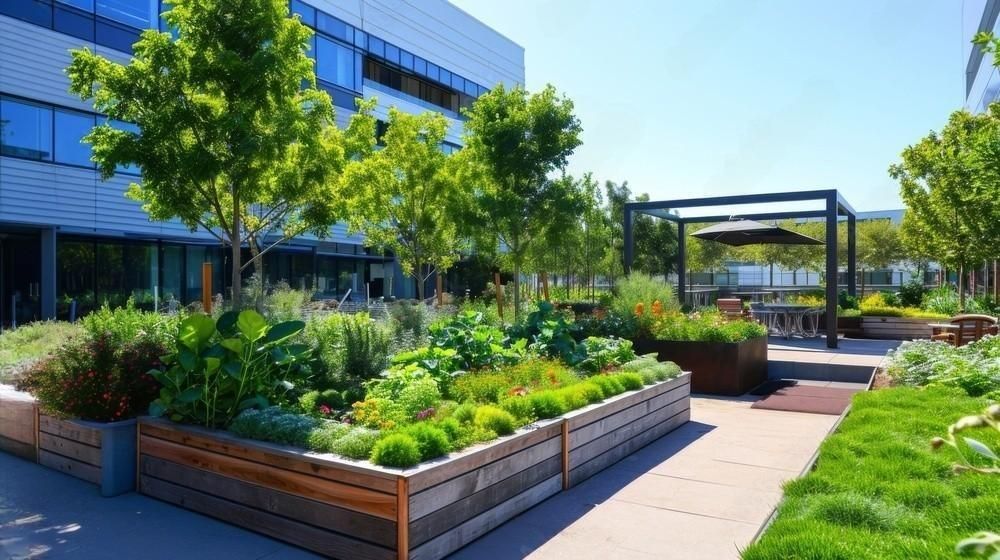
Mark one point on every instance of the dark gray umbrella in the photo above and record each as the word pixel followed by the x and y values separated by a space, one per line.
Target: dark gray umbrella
pixel 749 232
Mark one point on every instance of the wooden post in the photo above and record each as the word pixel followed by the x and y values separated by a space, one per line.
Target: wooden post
pixel 496 282
pixel 138 457
pixel 402 518
pixel 545 285
pixel 565 454
pixel 206 287
pixel 440 289
pixel 36 429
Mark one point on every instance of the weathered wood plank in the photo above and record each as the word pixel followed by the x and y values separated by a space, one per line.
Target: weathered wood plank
pixel 362 526
pixel 597 411
pixel 440 521
pixel 436 472
pixel 69 430
pixel 437 497
pixel 402 519
pixel 300 534
pixel 17 418
pixel 19 448
pixel 72 467
pixel 588 469
pixel 70 448
pixel 335 493
pixel 485 522
pixel 612 439
pixel 618 419
pixel 268 454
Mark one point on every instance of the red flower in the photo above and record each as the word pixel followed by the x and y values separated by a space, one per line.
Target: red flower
pixel 325 410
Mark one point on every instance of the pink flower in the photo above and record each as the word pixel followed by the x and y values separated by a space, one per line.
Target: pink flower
pixel 325 410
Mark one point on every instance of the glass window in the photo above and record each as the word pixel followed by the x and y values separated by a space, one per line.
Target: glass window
pixel 31 11
pixel 406 60
pixel 172 274
pixel 70 129
pixel 75 276
pixel 25 130
pixel 433 72
pixel 360 39
pixel 420 66
pixel 471 88
pixel 141 271
pixel 115 36
pixel 457 82
pixel 482 91
pixel 305 11
pixel 333 26
pixel 376 46
pixel 135 13
pixel 334 63
pixel 445 77
pixel 196 257
pixel 392 53
pixel 87 5
pixel 73 22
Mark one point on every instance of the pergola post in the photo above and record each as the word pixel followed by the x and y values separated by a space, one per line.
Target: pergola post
pixel 852 254
pixel 681 262
pixel 831 270
pixel 628 241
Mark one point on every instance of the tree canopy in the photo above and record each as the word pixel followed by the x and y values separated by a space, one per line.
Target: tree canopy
pixel 234 137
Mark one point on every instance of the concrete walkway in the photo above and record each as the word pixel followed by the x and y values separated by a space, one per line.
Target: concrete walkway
pixel 702 491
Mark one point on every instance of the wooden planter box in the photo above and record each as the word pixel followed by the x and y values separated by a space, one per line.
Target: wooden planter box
pixel 354 510
pixel 717 368
pixel 98 452
pixel 896 328
pixel 18 417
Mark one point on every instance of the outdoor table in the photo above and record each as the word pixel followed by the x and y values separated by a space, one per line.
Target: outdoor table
pixel 792 316
pixel 782 293
pixel 754 296
pixel 701 297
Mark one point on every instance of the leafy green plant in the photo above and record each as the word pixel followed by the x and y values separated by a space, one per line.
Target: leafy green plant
pixel 705 326
pixel 495 419
pixel 547 404
pixel 321 403
pixel 604 353
pixel 974 367
pixel 477 344
pixel 943 300
pixel 911 294
pixel 441 363
pixel 356 443
pixel 641 289
pixel 396 450
pixel 285 304
pixel 549 333
pixel 127 323
pixel 219 369
pixel 365 345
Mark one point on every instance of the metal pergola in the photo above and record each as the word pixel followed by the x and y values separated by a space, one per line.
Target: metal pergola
pixel 835 206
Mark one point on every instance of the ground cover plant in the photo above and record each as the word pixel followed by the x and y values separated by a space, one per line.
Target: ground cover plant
pixel 704 326
pixel 879 491
pixel 21 347
pixel 885 304
pixel 974 367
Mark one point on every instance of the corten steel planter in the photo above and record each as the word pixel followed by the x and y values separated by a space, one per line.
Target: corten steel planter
pixel 354 510
pixel 717 368
pixel 99 452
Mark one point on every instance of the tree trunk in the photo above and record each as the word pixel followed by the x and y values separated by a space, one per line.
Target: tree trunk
pixel 517 289
pixel 235 245
pixel 961 288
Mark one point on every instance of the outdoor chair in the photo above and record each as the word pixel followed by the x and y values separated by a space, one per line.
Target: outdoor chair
pixel 971 327
pixel 731 308
pixel 764 316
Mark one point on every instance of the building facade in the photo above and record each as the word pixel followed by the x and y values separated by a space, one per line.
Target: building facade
pixel 70 240
pixel 982 82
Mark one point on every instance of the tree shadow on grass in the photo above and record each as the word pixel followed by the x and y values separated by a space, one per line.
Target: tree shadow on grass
pixel 525 533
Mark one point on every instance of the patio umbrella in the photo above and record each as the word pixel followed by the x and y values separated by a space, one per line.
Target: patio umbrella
pixel 749 232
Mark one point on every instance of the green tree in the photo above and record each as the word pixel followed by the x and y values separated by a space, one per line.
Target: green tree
pixel 654 240
pixel 406 196
pixel 878 246
pixel 950 184
pixel 230 139
pixel 515 140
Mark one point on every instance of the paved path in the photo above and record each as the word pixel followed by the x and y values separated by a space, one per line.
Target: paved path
pixel 700 492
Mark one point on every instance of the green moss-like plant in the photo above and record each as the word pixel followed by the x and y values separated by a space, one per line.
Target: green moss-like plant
pixel 547 404
pixel 465 413
pixel 496 419
pixel 431 440
pixel 609 384
pixel 520 407
pixel 573 396
pixel 631 381
pixel 326 435
pixel 591 391
pixel 355 444
pixel 396 450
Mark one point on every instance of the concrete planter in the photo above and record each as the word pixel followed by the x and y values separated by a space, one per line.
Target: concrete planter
pixel 103 453
pixel 896 328
pixel 717 368
pixel 358 511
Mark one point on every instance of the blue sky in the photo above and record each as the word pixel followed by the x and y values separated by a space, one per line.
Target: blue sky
pixel 708 97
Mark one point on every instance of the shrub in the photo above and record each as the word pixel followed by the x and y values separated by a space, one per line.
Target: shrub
pixel 591 391
pixel 453 429
pixel 482 387
pixel 610 384
pixel 325 436
pixel 356 443
pixel 544 373
pixel 410 321
pixel 396 450
pixel 846 300
pixel 974 367
pixel 943 300
pixel 911 294
pixel 495 419
pixel 520 407
pixel 418 396
pixel 465 413
pixel 573 396
pixel 31 342
pixel 547 404
pixel 365 346
pixel 379 413
pixel 274 425
pixel 97 378
pixel 641 289
pixel 123 324
pixel 285 304
pixel 630 380
pixel 321 403
pixel 431 440
pixel 705 326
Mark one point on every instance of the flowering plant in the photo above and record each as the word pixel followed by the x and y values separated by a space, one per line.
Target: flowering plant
pixel 93 378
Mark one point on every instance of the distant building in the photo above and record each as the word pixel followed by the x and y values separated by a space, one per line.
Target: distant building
pixel 982 83
pixel 66 236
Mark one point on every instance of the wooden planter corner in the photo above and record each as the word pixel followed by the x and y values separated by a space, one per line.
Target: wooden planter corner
pixel 356 510
pixel 18 424
pixel 98 452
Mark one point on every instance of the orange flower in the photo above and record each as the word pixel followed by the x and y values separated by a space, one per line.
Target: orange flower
pixel 639 309
pixel 657 308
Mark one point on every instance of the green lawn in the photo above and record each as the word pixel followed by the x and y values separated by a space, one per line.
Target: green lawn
pixel 879 492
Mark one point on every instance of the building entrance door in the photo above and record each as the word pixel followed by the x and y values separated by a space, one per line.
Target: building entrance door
pixel 20 278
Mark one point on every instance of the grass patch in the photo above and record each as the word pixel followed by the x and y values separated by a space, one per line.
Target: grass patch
pixel 879 492
pixel 31 342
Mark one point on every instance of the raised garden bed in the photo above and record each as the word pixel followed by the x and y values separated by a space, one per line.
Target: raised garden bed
pixel 18 416
pixel 718 368
pixel 896 328
pixel 355 510
pixel 98 452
